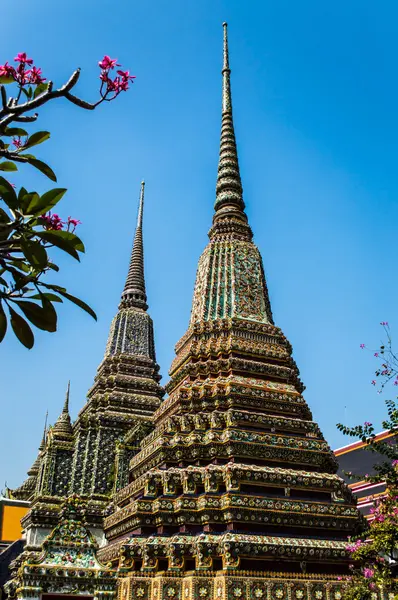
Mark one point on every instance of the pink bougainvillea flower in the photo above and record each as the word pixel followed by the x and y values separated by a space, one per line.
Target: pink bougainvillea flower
pixel 108 63
pixel 376 354
pixel 384 323
pixel 380 518
pixel 367 424
pixel 362 346
pixel 368 573
pixel 373 382
pixel 23 59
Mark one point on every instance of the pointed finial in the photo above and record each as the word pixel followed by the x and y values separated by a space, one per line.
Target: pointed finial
pixel 63 423
pixel 141 206
pixel 65 409
pixel 226 85
pixel 44 438
pixel 134 293
pixel 229 216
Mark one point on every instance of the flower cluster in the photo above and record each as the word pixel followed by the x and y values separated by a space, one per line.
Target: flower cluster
pixel 374 554
pixel 53 222
pixel 117 84
pixel 354 546
pixel 388 370
pixel 21 74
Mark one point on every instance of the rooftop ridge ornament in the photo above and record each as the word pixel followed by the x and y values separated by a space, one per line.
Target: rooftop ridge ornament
pixel 134 293
pixel 229 205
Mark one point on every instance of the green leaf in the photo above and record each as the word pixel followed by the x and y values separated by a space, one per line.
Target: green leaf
pixel 40 89
pixel 37 138
pixel 7 193
pixel 53 266
pixel 34 253
pixel 46 202
pixel 41 166
pixel 20 264
pixel 7 165
pixel 51 297
pixel 65 240
pixel 27 92
pixel 16 131
pixel 3 323
pixel 22 192
pixel 21 329
pixel 79 303
pixel 43 317
pixel 27 199
pixel 6 79
pixel 71 298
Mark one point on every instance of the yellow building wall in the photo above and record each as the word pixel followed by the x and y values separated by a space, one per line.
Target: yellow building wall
pixel 10 525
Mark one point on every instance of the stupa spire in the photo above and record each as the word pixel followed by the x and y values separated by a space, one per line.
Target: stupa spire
pixel 63 423
pixel 229 205
pixel 134 293
pixel 44 438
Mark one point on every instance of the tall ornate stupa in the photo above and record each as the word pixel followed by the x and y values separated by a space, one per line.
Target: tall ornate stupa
pixel 234 495
pixel 91 457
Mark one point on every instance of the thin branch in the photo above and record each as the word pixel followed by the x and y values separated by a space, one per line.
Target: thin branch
pixel 82 103
pixel 27 119
pixel 3 96
pixel 13 156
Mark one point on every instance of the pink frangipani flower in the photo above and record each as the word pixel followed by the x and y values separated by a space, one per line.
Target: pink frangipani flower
pixel 23 59
pixel 35 75
pixel 108 63
pixel 7 70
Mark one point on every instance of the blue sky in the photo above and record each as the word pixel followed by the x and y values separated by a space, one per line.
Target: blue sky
pixel 315 105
